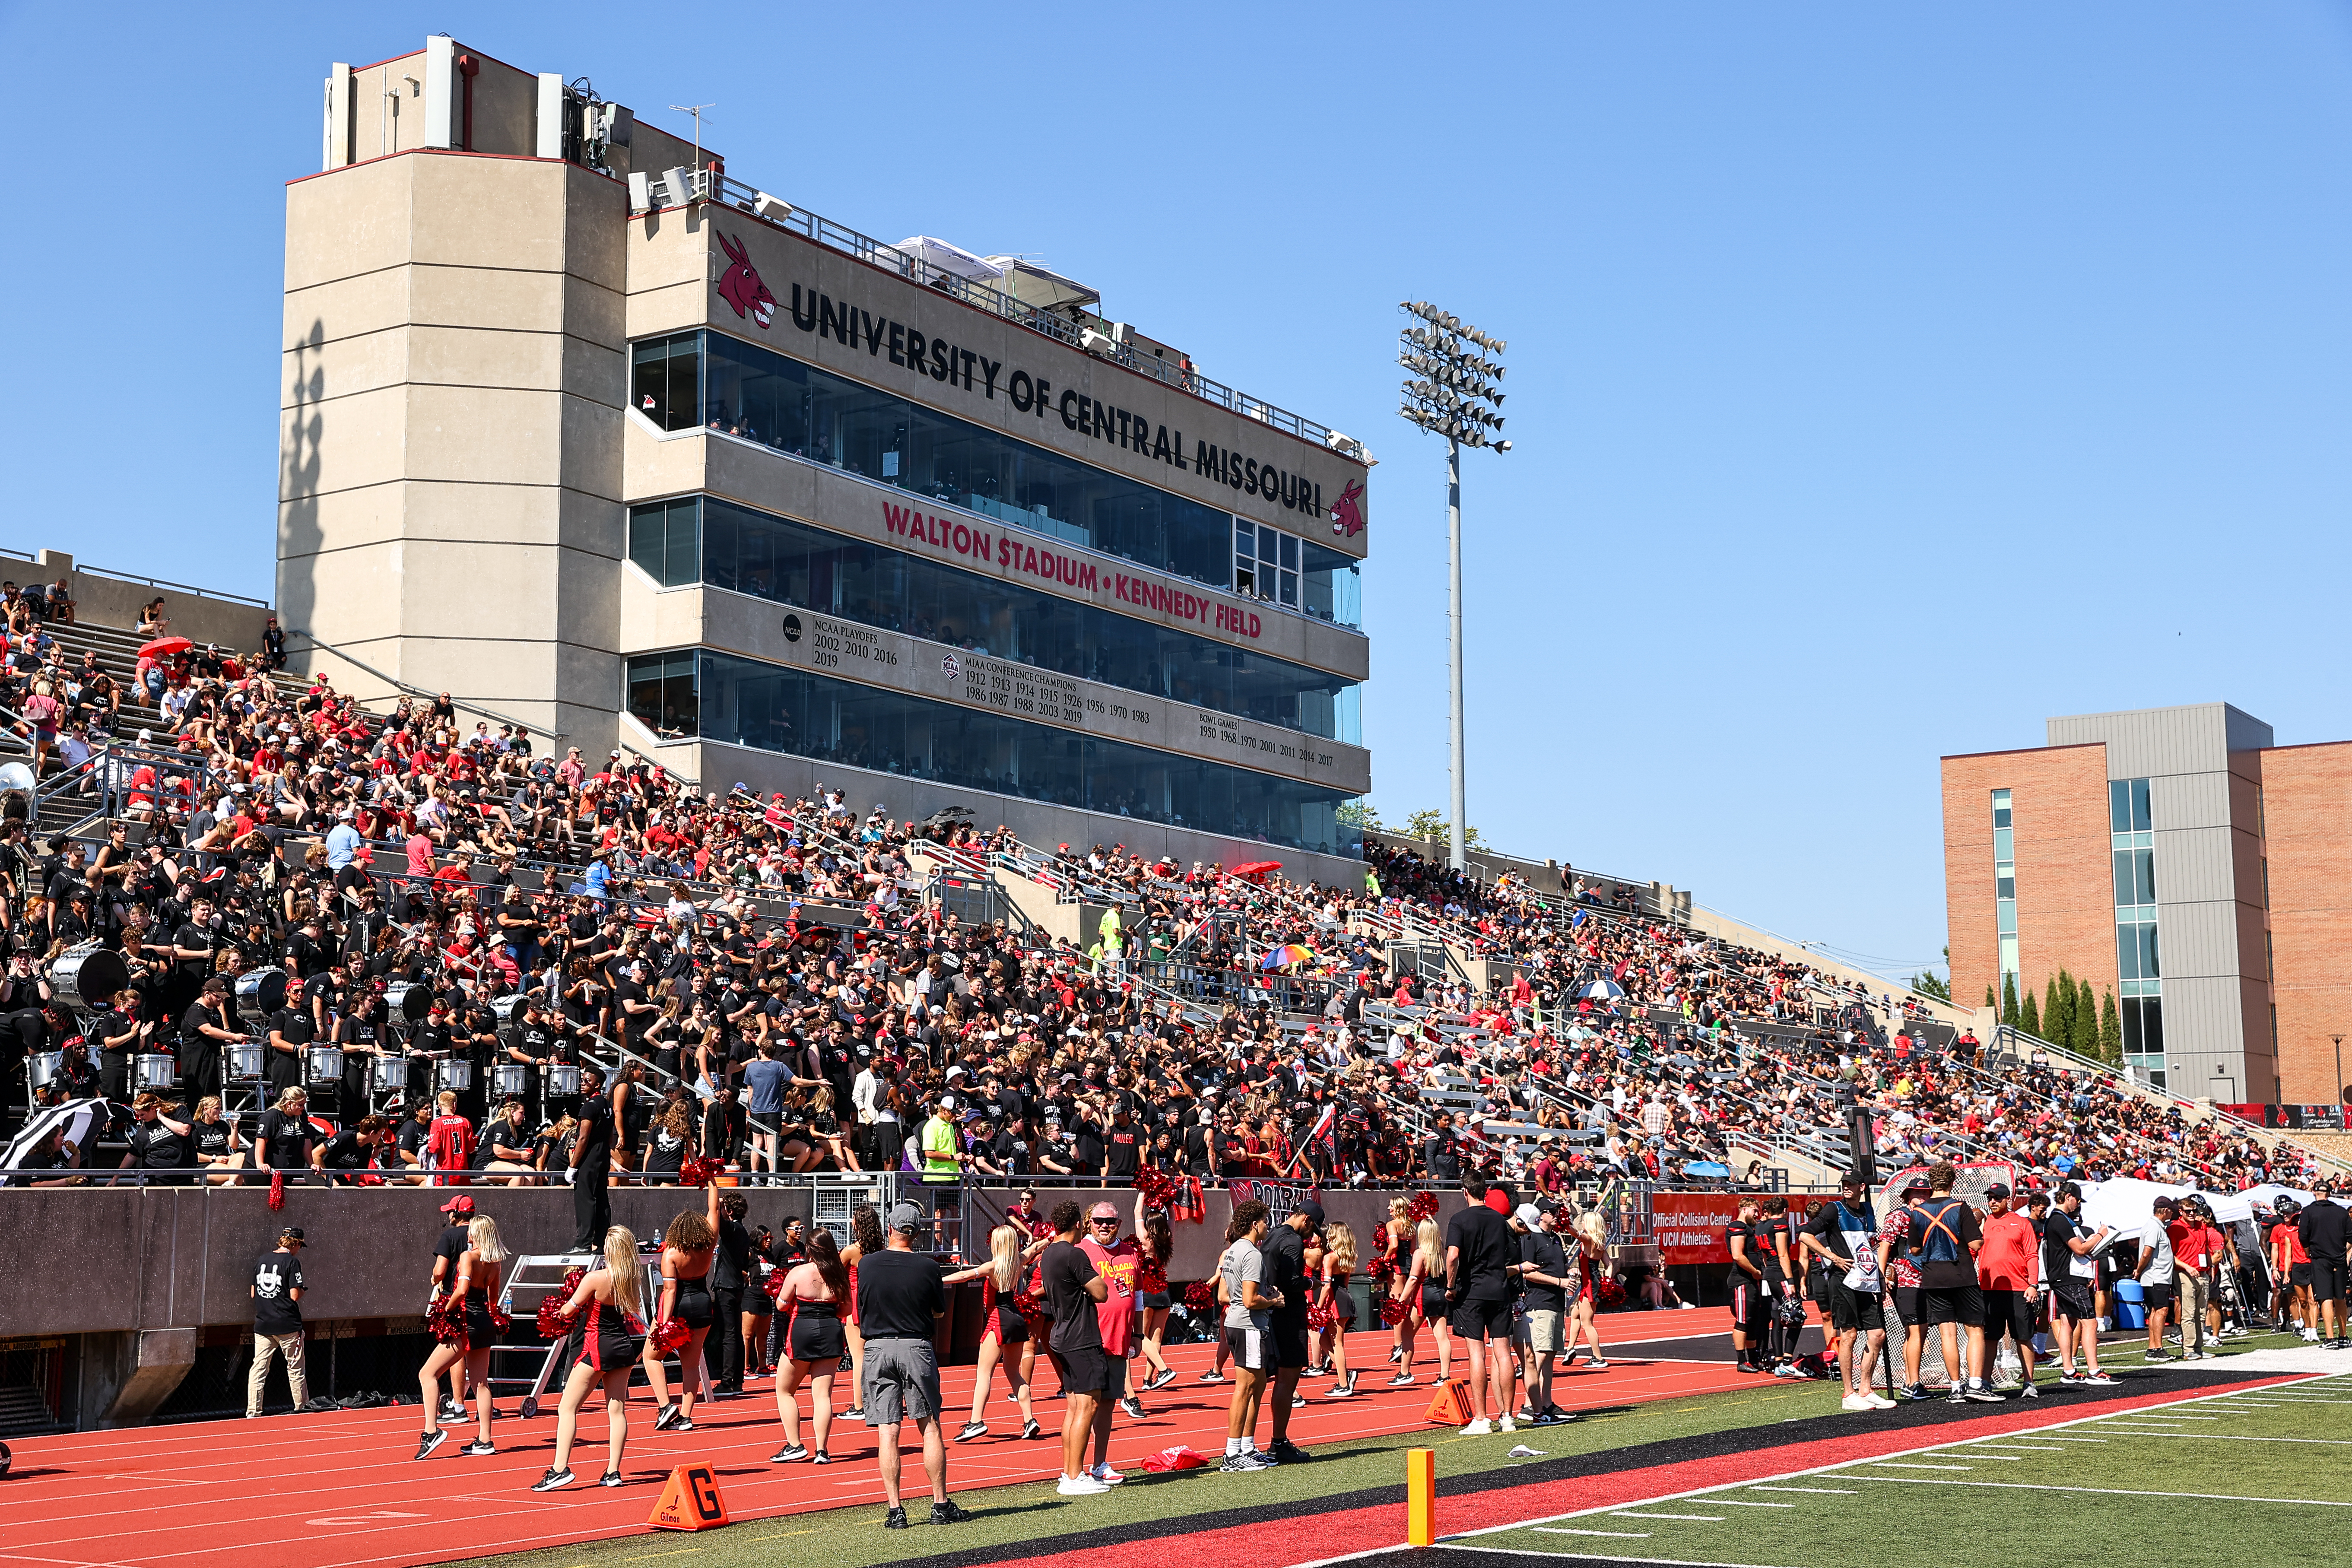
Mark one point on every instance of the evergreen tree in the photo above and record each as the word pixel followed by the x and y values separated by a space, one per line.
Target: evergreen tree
pixel 2009 1014
pixel 2057 1001
pixel 2111 1032
pixel 1991 1000
pixel 2030 1020
pixel 2082 1035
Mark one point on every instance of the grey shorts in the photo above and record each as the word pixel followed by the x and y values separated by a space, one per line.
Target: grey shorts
pixel 1541 1331
pixel 902 1382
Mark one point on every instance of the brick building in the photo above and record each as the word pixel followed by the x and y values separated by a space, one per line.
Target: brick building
pixel 2182 863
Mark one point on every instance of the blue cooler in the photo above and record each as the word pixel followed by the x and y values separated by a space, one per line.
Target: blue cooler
pixel 2130 1304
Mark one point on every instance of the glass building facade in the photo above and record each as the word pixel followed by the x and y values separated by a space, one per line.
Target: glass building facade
pixel 744 702
pixel 707 540
pixel 715 382
pixel 2132 843
pixel 2005 889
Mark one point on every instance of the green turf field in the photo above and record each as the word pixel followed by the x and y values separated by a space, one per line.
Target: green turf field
pixel 2263 1478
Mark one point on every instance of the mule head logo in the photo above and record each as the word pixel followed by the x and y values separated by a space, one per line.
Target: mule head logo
pixel 1347 517
pixel 740 287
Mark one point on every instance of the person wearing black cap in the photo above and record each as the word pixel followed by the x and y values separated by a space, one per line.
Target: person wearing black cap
pixel 900 1300
pixel 277 1293
pixel 1901 1274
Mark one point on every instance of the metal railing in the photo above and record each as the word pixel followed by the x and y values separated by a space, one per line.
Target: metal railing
pixel 735 193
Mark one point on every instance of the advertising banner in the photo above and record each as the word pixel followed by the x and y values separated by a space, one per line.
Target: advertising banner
pixel 1690 1227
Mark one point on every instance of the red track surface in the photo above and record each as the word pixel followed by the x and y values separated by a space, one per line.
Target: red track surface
pixel 308 1491
pixel 1317 1537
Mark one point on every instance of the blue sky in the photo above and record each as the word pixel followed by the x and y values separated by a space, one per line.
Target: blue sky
pixel 1884 379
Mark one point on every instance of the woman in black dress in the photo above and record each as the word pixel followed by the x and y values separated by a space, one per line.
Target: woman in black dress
pixel 687 1247
pixel 606 1313
pixel 478 1269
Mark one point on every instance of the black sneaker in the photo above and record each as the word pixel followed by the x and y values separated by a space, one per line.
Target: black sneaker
pixel 844 1365
pixel 2159 1356
pixel 971 1429
pixel 1288 1453
pixel 681 1425
pixel 665 1417
pixel 1133 1406
pixel 1159 1379
pixel 948 1513
pixel 895 1520
pixel 1977 1393
pixel 790 1454
pixel 854 1412
pixel 553 1480
pixel 612 1478
pixel 1031 1431
pixel 478 1449
pixel 428 1441
pixel 819 1457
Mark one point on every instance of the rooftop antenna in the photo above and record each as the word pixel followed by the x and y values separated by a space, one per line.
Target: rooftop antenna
pixel 696 109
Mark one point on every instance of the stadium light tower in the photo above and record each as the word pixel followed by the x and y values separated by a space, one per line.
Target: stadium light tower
pixel 1450 390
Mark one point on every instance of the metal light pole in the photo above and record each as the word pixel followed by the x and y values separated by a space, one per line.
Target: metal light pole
pixel 1451 396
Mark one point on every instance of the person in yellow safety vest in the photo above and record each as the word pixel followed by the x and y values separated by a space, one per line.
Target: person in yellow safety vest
pixel 942 1145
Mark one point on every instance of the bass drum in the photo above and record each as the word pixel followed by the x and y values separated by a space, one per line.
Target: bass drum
pixel 87 977
pixel 453 1073
pixel 408 1001
pixel 261 992
pixel 507 1009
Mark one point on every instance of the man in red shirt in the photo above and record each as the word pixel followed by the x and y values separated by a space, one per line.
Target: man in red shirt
pixel 2291 1272
pixel 2198 1250
pixel 2009 1270
pixel 1114 1259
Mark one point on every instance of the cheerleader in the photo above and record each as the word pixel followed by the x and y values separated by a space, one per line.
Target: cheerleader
pixel 1338 1306
pixel 1158 1244
pixel 1397 1241
pixel 811 1301
pixel 1421 1288
pixel 687 1247
pixel 866 1232
pixel 478 1269
pixel 1004 1334
pixel 1592 1263
pixel 606 1315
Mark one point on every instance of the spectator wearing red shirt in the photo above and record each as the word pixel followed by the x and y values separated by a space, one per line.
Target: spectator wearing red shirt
pixel 2198 1249
pixel 2008 1271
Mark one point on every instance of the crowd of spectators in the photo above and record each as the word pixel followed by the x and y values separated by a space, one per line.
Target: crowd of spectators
pixel 779 992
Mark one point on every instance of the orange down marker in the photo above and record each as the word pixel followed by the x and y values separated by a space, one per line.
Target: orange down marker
pixel 1420 1497
pixel 690 1502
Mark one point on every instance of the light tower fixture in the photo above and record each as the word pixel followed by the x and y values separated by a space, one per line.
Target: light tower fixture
pixel 1453 389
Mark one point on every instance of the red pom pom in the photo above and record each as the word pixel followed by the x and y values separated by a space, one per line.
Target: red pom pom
pixel 1158 1188
pixel 1150 1275
pixel 1200 1295
pixel 501 1320
pixel 1610 1293
pixel 697 1172
pixel 1381 1270
pixel 667 1335
pixel 1422 1207
pixel 277 1191
pixel 1393 1311
pixel 1318 1316
pixel 445 1320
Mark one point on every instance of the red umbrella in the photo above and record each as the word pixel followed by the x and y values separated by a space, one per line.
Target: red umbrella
pixel 163 647
pixel 1254 869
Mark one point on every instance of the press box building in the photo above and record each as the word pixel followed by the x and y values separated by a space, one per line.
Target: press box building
pixel 584 430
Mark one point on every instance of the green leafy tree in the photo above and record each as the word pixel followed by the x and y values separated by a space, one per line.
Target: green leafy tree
pixel 2030 1020
pixel 1927 982
pixel 1361 814
pixel 1433 826
pixel 2010 1016
pixel 2111 1031
pixel 2083 1031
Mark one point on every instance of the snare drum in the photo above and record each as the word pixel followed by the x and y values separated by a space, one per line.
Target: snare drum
pixel 562 1078
pixel 454 1073
pixel 323 1064
pixel 387 1075
pixel 507 1008
pixel 408 1001
pixel 157 1072
pixel 245 1062
pixel 509 1080
pixel 261 992
pixel 44 1067
pixel 87 977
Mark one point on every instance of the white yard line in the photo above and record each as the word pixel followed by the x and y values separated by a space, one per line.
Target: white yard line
pixel 2101 1491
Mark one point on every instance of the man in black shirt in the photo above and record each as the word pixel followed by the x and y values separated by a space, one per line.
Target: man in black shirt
pixel 1479 1252
pixel 1750 1308
pixel 1123 1147
pixel 592 1164
pixel 2322 1228
pixel 900 1298
pixel 730 1275
pixel 1544 1274
pixel 1074 1289
pixel 277 1320
pixel 1285 1252
pixel 1843 1238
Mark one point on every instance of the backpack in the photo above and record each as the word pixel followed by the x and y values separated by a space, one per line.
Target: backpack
pixel 1934 1237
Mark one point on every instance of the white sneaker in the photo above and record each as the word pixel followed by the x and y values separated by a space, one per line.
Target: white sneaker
pixel 1508 1425
pixel 1856 1401
pixel 1879 1401
pixel 1106 1475
pixel 1080 1486
pixel 1482 1427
